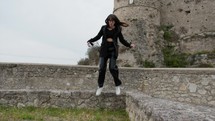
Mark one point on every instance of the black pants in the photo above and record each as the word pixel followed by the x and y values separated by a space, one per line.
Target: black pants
pixel 112 67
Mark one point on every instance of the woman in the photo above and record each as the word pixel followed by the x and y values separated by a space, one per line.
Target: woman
pixel 110 33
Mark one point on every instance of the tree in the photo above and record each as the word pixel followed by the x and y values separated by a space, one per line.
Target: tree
pixel 93 56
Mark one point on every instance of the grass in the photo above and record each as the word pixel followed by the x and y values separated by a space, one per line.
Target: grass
pixel 61 114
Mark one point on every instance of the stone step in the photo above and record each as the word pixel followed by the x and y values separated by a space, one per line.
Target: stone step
pixel 142 107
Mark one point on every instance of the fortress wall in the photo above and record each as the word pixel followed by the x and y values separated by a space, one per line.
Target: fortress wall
pixel 188 16
pixel 195 86
pixel 143 16
pixel 193 21
pixel 203 42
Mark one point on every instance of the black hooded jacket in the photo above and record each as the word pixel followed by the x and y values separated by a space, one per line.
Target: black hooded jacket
pixel 102 33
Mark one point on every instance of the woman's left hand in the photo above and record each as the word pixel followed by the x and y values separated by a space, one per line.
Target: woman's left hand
pixel 132 45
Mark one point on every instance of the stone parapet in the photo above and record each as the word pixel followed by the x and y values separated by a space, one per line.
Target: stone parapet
pixel 145 108
pixel 190 85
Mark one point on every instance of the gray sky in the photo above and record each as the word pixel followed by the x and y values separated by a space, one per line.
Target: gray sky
pixel 49 31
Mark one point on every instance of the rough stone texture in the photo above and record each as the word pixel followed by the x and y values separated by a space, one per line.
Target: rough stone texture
pixel 140 107
pixel 145 108
pixel 142 30
pixel 61 98
pixel 192 21
pixel 43 85
pixel 196 86
pixel 189 17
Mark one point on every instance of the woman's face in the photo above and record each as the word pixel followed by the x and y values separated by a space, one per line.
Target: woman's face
pixel 111 23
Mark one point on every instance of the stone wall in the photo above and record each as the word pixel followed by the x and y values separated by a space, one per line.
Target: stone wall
pixel 141 107
pixel 191 21
pixel 193 44
pixel 189 17
pixel 142 30
pixel 63 99
pixel 195 86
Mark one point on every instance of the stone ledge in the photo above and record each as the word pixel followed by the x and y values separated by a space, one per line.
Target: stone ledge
pixel 142 107
pixel 59 98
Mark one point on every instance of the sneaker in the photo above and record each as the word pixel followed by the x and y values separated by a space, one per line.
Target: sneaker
pixel 99 90
pixel 117 90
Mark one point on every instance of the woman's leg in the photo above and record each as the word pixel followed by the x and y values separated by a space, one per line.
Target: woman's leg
pixel 102 71
pixel 114 70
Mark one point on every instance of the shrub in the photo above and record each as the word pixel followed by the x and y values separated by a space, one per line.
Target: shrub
pixel 148 64
pixel 93 56
pixel 174 59
pixel 84 61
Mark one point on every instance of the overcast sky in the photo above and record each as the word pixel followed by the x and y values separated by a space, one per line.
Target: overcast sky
pixel 49 31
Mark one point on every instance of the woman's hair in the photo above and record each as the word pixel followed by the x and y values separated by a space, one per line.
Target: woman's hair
pixel 117 21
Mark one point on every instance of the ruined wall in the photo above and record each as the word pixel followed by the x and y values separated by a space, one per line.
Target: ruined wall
pixel 143 16
pixel 195 86
pixel 189 16
pixel 192 21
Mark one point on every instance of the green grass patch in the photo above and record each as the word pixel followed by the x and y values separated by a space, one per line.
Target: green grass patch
pixel 61 114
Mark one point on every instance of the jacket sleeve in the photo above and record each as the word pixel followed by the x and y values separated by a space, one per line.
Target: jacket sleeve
pixel 98 36
pixel 123 41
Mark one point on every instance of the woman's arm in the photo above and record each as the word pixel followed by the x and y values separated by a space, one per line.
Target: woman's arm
pixel 123 41
pixel 97 37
